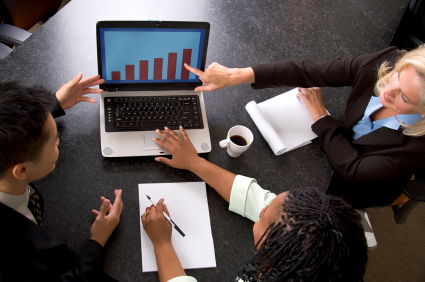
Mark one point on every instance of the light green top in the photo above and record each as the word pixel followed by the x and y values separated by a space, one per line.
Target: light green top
pixel 247 198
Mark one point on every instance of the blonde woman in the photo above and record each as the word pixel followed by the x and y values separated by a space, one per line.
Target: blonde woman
pixel 381 144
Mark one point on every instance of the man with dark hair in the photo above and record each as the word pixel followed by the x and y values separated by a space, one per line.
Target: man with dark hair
pixel 28 152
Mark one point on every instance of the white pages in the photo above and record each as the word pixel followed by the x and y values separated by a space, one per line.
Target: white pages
pixel 284 121
pixel 188 207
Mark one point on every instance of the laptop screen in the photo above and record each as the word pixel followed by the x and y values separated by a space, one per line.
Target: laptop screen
pixel 151 55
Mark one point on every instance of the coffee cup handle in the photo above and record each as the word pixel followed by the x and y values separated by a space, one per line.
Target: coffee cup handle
pixel 224 143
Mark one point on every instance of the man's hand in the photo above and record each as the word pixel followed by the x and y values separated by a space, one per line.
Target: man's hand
pixel 104 223
pixel 313 101
pixel 156 225
pixel 73 92
pixel 184 154
pixel 217 76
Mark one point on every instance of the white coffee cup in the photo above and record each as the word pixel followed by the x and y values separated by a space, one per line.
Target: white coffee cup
pixel 241 135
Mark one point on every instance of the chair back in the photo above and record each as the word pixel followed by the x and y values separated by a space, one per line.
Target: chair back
pixel 26 13
pixel 410 33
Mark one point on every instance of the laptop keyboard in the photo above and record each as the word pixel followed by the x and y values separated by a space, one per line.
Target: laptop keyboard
pixel 149 113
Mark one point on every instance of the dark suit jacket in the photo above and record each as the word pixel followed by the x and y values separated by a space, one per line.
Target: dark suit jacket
pixel 370 170
pixel 27 253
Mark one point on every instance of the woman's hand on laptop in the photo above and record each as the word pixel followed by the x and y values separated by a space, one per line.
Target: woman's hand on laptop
pixel 217 76
pixel 73 92
pixel 182 149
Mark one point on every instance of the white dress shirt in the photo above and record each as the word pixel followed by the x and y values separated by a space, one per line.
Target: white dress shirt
pixel 19 203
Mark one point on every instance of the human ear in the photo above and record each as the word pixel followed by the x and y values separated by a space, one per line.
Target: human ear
pixel 19 171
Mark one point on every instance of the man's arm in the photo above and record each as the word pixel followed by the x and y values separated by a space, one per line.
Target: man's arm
pixel 74 91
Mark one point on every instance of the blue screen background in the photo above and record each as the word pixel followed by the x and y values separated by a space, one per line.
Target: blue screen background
pixel 127 46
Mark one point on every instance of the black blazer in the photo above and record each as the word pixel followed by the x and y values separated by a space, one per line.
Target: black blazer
pixel 28 253
pixel 371 169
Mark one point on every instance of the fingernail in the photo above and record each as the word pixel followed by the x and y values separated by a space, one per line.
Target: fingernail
pixel 157 159
pixel 302 90
pixel 166 128
pixel 181 126
pixel 157 130
pixel 153 138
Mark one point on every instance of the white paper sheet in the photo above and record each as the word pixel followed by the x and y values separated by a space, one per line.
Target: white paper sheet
pixel 284 121
pixel 188 207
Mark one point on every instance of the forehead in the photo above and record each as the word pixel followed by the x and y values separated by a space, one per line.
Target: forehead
pixel 50 128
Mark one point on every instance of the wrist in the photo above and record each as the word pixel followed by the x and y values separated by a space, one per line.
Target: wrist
pixel 162 247
pixel 243 75
pixel 57 98
pixel 197 165
pixel 320 116
pixel 98 240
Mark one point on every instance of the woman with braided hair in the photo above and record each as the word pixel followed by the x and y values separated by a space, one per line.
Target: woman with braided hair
pixel 303 235
pixel 317 238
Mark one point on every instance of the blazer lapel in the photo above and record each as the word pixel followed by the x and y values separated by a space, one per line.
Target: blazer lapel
pixel 356 111
pixel 381 137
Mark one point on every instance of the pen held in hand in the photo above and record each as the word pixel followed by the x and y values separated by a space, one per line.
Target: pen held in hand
pixel 168 218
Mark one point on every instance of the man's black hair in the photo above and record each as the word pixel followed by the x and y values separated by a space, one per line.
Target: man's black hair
pixel 318 238
pixel 23 112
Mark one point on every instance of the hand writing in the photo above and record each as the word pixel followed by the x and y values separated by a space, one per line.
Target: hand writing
pixel 156 225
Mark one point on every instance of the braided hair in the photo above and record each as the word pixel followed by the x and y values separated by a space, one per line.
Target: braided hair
pixel 319 238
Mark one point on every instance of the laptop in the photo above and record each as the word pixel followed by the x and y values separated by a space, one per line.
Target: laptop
pixel 147 87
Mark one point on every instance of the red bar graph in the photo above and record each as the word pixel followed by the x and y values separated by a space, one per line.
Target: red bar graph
pixel 187 54
pixel 143 69
pixel 157 68
pixel 129 72
pixel 172 64
pixel 116 75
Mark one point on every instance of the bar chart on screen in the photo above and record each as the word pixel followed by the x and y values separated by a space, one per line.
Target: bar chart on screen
pixel 151 55
pixel 158 68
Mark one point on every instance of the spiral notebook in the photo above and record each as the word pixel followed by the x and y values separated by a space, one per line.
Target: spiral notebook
pixel 284 122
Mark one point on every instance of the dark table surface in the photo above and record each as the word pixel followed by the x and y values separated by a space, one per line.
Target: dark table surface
pixel 243 33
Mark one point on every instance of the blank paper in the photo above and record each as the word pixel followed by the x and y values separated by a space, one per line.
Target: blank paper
pixel 188 207
pixel 284 121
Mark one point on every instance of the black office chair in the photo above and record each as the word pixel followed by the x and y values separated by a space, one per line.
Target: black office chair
pixel 411 31
pixel 18 16
pixel 415 191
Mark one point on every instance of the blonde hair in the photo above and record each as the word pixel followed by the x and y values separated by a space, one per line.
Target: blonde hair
pixel 415 59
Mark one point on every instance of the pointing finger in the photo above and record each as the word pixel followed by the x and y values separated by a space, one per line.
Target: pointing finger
pixel 194 70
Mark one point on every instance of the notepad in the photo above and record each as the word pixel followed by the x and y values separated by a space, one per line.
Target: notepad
pixel 284 121
pixel 188 207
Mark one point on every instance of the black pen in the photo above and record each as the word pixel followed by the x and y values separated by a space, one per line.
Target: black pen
pixel 169 219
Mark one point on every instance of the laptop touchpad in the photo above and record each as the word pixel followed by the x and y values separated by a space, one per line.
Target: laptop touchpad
pixel 149 140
